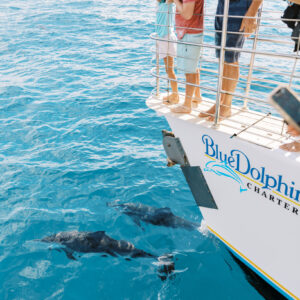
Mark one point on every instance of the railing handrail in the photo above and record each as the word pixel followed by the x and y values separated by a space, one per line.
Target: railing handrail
pixel 253 81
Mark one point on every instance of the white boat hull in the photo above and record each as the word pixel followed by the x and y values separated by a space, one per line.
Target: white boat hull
pixel 257 193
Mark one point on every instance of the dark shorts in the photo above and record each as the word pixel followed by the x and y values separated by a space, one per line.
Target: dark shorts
pixel 234 40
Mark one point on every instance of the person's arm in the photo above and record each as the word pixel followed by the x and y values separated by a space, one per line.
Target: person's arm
pixel 249 25
pixel 185 9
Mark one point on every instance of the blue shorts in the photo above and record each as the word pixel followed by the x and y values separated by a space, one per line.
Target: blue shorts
pixel 188 55
pixel 234 40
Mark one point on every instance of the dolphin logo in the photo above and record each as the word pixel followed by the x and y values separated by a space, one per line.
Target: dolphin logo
pixel 222 169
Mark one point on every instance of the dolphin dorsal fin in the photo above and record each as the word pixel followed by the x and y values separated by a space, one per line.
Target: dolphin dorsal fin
pixel 97 234
pixel 166 209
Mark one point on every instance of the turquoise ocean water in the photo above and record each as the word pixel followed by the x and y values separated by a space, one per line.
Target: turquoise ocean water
pixel 75 133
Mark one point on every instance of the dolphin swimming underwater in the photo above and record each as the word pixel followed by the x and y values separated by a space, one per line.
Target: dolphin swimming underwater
pixel 100 242
pixel 94 242
pixel 153 215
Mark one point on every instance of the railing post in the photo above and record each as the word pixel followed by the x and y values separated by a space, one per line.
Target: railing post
pixel 168 23
pixel 249 78
pixel 157 63
pixel 157 70
pixel 221 61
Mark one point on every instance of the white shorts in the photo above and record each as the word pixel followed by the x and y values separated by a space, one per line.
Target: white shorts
pixel 168 47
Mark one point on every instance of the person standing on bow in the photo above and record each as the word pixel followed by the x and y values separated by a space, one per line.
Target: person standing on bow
pixel 166 45
pixel 291 18
pixel 189 29
pixel 239 29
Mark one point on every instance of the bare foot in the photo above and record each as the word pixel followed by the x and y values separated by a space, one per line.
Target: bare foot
pixel 171 99
pixel 225 112
pixel 208 113
pixel 181 109
pixel 196 100
pixel 291 147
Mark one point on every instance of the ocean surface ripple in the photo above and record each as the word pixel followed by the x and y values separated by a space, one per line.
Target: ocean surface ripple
pixel 75 133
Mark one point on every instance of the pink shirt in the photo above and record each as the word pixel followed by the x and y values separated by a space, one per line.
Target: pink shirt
pixel 195 22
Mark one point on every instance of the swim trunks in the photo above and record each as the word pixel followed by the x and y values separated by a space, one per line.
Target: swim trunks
pixel 188 55
pixel 167 46
pixel 234 39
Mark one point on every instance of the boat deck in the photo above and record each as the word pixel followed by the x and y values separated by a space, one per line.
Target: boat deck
pixel 268 131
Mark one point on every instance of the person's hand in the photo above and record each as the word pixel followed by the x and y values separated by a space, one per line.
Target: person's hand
pixel 291 147
pixel 170 1
pixel 248 26
pixel 292 131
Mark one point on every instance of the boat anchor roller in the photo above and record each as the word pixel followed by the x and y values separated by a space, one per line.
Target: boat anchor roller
pixel 193 174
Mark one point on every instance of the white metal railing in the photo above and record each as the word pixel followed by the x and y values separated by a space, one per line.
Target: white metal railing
pixel 265 69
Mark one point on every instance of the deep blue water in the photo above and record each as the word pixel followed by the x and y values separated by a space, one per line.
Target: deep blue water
pixel 75 133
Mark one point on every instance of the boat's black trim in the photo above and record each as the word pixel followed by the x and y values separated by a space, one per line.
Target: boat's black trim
pixel 262 287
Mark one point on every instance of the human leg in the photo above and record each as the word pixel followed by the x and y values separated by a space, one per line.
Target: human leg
pixel 197 95
pixel 230 74
pixel 191 80
pixel 167 50
pixel 234 39
pixel 173 98
pixel 229 82
pixel 187 61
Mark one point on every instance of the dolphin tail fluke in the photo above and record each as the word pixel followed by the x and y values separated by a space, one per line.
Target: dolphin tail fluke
pixel 166 266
